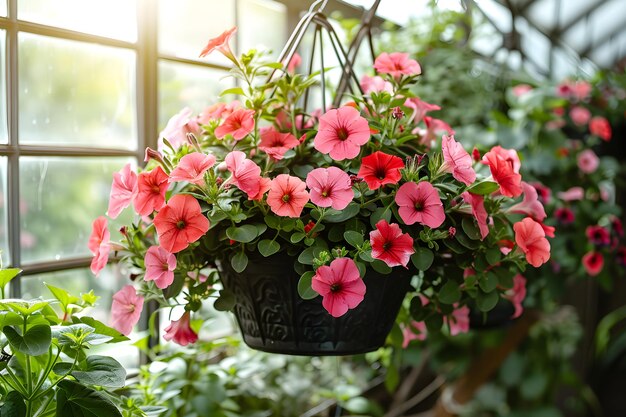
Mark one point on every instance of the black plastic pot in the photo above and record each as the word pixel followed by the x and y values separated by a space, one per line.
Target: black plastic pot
pixel 274 318
pixel 500 316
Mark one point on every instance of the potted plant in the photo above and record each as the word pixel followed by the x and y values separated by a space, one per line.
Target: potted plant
pixel 314 226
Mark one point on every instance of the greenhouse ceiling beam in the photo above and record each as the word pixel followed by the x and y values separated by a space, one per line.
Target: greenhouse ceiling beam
pixel 562 28
pixel 602 39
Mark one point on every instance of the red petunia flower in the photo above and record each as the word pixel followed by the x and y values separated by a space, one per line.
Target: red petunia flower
pixel 530 204
pixel 238 124
pixel 564 215
pixel 180 331
pixel 478 211
pixel 390 245
pixel 420 203
pixel 220 43
pixel 340 286
pixel 593 262
pixel 531 239
pixel 504 173
pixel 379 169
pixel 598 235
pixel 151 188
pixel 180 223
pixel 276 144
pixel 287 196
pixel 600 126
pixel 517 294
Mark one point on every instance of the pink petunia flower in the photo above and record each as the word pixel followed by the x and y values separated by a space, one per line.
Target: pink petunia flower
pixel 478 211
pixel 160 265
pixel 246 175
pixel 180 331
pixel 126 309
pixel 505 171
pixel 420 108
pixel 521 89
pixel 180 223
pixel 177 129
pixel 220 44
pixel 530 204
pixel 416 330
pixel 517 294
pixel 123 190
pixel 287 196
pixel 330 187
pixel 396 64
pixel 390 245
pixel 571 194
pixel 600 126
pixel 598 235
pixel 458 321
pixel 191 168
pixel 218 111
pixel 531 239
pixel 99 244
pixel 579 115
pixel 510 156
pixel 420 203
pixel 238 124
pixel 151 188
pixel 379 169
pixel 340 286
pixel 564 215
pixel 544 193
pixel 434 129
pixel 341 132
pixel 375 84
pixel 457 161
pixel 588 161
pixel 593 262
pixel 276 144
pixel 294 63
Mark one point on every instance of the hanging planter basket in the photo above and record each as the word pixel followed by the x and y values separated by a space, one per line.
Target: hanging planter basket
pixel 274 318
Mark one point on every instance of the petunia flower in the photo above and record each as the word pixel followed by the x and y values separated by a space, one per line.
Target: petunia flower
pixel 396 64
pixel 341 132
pixel 246 175
pixel 593 262
pixel 330 187
pixel 180 223
pixel 544 194
pixel 531 239
pixel 579 115
pixel 123 190
pixel 420 108
pixel 99 244
pixel 457 161
pixel 510 156
pixel 521 89
pixel 420 203
pixel 180 331
pixel 598 235
pixel 434 129
pixel 600 126
pixel 160 265
pixel 177 129
pixel 340 286
pixel 238 124
pixel 571 194
pixel 416 330
pixel 504 173
pixel 376 84
pixel 517 294
pixel 276 144
pixel 220 44
pixel 151 188
pixel 287 196
pixel 564 215
pixel 126 309
pixel 478 211
pixel 379 169
pixel 588 161
pixel 530 204
pixel 191 168
pixel 458 321
pixel 390 245
pixel 294 63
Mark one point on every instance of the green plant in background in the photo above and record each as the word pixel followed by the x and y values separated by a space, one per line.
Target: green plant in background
pixel 44 366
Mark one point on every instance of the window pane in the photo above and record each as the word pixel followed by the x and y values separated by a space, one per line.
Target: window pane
pixel 75 93
pixel 4 236
pixel 4 137
pixel 60 198
pixel 3 7
pixel 77 281
pixel 190 86
pixel 262 25
pixel 112 18
pixel 185 26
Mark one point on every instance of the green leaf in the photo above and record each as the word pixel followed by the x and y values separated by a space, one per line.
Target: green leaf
pixel 488 281
pixel 381 213
pixel 6 275
pixel 487 301
pixel 23 307
pixel 297 237
pixel 392 378
pixel 9 318
pixel 236 90
pixel 273 222
pixel 353 238
pixel 366 256
pixel 101 328
pixel 103 371
pixel 450 293
pixel 268 247
pixel 13 405
pixel 35 342
pixel 462 238
pixel 307 255
pixel 336 216
pixel 470 228
pixel 62 368
pixel 422 258
pixel 239 261
pixel 77 400
pixel 226 301
pixel 304 286
pixel 381 267
pixel 357 405
pixel 484 187
pixel 246 233
pixel 63 296
pixel 153 410
pixel 493 255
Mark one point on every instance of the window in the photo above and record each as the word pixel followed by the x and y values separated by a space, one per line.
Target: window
pixel 85 86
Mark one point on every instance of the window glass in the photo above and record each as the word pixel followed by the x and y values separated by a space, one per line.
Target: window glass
pixel 112 18
pixel 262 25
pixel 185 26
pixel 3 7
pixel 77 281
pixel 4 236
pixel 192 86
pixel 75 93
pixel 59 199
pixel 4 137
